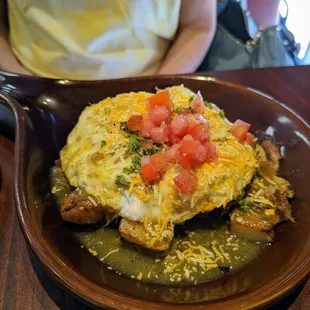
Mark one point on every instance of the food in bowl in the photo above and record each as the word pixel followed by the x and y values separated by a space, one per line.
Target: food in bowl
pixel 147 165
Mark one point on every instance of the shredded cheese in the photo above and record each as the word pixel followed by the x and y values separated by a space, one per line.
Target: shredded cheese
pixel 94 167
pixel 111 252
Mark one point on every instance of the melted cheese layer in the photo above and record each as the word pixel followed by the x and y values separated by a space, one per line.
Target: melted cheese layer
pixel 94 168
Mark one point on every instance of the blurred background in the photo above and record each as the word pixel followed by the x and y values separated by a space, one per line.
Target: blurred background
pixel 298 22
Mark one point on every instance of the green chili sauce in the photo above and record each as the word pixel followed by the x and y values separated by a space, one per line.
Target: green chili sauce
pixel 208 235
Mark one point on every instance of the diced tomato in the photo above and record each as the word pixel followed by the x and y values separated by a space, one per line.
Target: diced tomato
pixel 189 147
pixel 193 152
pixel 197 104
pixel 174 139
pixel 145 160
pixel 200 118
pixel 200 155
pixel 161 161
pixel 179 126
pixel 183 159
pixel 159 135
pixel 184 155
pixel 162 98
pixel 159 114
pixel 239 129
pixel 171 153
pixel 200 133
pixel 135 122
pixel 211 152
pixel 171 136
pixel 147 126
pixel 187 138
pixel 249 138
pixel 149 173
pixel 191 120
pixel 185 111
pixel 186 181
pixel 146 144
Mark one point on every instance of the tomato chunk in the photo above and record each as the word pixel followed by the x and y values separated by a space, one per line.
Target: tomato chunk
pixel 171 153
pixel 200 118
pixel 149 173
pixel 145 160
pixel 249 138
pixel 186 181
pixel 239 129
pixel 200 155
pixel 159 114
pixel 159 135
pixel 192 120
pixel 135 122
pixel 183 159
pixel 179 126
pixel 197 104
pixel 185 111
pixel 146 144
pixel 200 133
pixel 147 126
pixel 162 98
pixel 193 152
pixel 161 161
pixel 211 152
pixel 186 153
pixel 187 138
pixel 172 138
pixel 189 147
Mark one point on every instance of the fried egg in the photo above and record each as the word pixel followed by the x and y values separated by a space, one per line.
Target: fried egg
pixel 94 167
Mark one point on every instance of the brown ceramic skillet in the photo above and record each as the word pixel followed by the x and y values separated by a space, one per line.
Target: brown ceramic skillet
pixel 47 112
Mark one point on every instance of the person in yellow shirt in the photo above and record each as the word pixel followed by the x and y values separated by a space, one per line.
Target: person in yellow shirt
pixel 104 39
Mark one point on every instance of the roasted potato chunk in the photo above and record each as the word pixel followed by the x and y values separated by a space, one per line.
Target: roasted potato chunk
pixel 136 233
pixel 266 202
pixel 254 224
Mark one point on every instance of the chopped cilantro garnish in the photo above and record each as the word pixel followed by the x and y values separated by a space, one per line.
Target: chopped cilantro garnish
pixel 192 98
pixel 244 208
pixel 124 127
pixel 103 143
pixel 222 114
pixel 153 150
pixel 128 170
pixel 165 148
pixel 137 137
pixel 177 110
pixel 122 181
pixel 135 165
pixel 242 205
pixel 136 162
pixel 133 144
pixel 207 104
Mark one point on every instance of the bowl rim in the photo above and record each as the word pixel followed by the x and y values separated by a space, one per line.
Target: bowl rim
pixel 102 296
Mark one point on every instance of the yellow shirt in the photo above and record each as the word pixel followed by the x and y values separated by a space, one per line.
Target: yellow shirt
pixel 92 39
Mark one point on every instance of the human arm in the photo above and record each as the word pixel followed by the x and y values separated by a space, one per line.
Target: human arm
pixel 197 25
pixel 8 62
pixel 264 12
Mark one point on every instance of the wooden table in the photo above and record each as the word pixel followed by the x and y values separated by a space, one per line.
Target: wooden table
pixel 24 285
